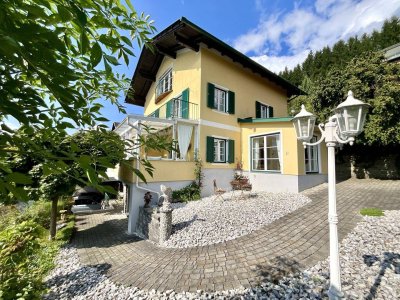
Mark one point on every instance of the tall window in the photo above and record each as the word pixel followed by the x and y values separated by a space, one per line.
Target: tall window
pixel 266 153
pixel 178 107
pixel 219 150
pixel 165 83
pixel 311 157
pixel 220 100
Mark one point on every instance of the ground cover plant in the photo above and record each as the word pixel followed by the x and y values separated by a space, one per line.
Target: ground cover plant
pixel 372 212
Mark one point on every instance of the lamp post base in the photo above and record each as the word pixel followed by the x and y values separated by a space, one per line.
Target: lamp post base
pixel 335 294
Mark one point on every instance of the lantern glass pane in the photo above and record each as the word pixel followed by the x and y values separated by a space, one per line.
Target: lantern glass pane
pixel 304 127
pixel 352 118
pixel 311 128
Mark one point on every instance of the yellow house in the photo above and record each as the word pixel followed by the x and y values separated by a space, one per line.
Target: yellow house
pixel 224 107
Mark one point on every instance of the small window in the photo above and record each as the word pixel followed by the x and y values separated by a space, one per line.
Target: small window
pixel 164 85
pixel 219 150
pixel 264 111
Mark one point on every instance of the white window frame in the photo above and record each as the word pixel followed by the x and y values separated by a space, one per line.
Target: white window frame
pixel 265 135
pixel 164 84
pixel 264 111
pixel 219 144
pixel 177 107
pixel 221 107
pixel 308 153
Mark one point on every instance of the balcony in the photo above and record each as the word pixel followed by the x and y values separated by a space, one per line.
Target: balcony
pixel 176 108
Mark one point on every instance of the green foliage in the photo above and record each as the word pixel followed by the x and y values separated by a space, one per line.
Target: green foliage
pixel 373 212
pixel 318 64
pixel 189 193
pixel 8 214
pixel 20 261
pixel 198 167
pixel 39 213
pixel 56 61
pixel 65 233
pixel 373 81
pixel 26 255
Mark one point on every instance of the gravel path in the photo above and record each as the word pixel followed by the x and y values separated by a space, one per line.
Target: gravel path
pixel 370 263
pixel 210 221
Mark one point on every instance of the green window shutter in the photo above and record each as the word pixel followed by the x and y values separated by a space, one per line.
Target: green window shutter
pixel 210 95
pixel 156 113
pixel 210 149
pixel 185 104
pixel 270 112
pixel 231 151
pixel 169 109
pixel 258 109
pixel 231 104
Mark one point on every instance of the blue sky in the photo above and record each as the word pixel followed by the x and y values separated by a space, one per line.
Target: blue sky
pixel 274 33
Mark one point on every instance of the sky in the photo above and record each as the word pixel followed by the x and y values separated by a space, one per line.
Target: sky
pixel 276 34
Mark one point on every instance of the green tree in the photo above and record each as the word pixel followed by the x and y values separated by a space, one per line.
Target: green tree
pixel 97 151
pixel 56 59
pixel 373 81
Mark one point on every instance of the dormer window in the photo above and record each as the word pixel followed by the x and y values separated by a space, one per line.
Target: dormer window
pixel 164 85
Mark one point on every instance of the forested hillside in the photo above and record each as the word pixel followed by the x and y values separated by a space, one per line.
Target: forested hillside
pixel 356 65
pixel 317 64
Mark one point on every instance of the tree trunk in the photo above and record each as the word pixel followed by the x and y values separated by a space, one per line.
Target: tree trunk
pixel 53 218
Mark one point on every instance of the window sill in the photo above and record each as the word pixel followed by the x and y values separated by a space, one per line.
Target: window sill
pixel 221 112
pixel 266 171
pixel 162 96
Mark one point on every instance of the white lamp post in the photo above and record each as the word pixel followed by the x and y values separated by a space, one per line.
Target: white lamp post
pixel 347 123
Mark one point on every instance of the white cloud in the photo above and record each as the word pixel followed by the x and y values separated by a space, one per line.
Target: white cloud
pixel 278 63
pixel 282 38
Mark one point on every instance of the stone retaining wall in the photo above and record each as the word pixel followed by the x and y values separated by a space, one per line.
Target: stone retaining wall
pixel 148 224
pixel 383 167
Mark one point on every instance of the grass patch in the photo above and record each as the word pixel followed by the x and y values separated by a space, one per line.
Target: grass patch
pixel 372 212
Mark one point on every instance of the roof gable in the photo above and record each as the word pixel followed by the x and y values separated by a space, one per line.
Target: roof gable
pixel 184 34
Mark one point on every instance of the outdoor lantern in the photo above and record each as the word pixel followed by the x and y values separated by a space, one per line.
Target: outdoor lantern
pixel 351 116
pixel 304 122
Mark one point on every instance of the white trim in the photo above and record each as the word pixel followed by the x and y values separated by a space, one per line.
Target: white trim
pixel 220 137
pixel 250 151
pixel 221 87
pixel 263 103
pixel 219 125
pixel 220 112
pixel 319 158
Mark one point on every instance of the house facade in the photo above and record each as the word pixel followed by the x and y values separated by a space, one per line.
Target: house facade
pixel 221 107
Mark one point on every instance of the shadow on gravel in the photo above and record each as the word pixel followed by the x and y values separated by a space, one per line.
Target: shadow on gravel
pixel 277 268
pixel 181 225
pixel 390 260
pixel 76 283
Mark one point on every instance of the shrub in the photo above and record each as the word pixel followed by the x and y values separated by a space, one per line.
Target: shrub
pixel 188 193
pixel 39 212
pixel 373 212
pixel 20 261
pixel 8 214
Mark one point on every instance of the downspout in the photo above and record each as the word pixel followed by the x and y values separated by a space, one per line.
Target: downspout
pixel 139 129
